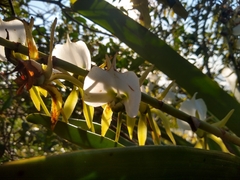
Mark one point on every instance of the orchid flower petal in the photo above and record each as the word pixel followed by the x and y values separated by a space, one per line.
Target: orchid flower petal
pixel 128 83
pixel 16 32
pixel 76 53
pixel 97 87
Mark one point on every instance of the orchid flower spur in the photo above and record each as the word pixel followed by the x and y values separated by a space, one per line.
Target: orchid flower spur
pixel 107 86
pixel 194 107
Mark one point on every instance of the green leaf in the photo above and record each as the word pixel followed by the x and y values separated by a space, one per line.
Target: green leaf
pixel 74 134
pixel 165 122
pixel 150 47
pixel 109 134
pixel 146 162
pixel 7 103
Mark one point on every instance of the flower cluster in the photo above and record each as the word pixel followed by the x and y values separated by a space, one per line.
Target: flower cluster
pixel 100 86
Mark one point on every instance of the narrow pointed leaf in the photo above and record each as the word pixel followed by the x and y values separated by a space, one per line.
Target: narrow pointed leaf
pixel 164 93
pixel 142 129
pixel 106 119
pixel 222 123
pixel 155 129
pixel 119 125
pixel 70 103
pixel 109 134
pixel 35 98
pixel 130 126
pixel 88 112
pixel 57 101
pixel 165 124
pixel 74 134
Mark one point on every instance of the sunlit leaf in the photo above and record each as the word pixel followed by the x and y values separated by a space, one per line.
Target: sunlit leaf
pixel 88 112
pixel 142 129
pixel 165 122
pixel 130 126
pixel 35 98
pixel 70 103
pixel 106 119
pixel 56 103
pixel 155 129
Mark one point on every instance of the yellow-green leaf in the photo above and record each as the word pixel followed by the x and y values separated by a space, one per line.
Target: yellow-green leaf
pixel 119 125
pixel 106 119
pixel 88 112
pixel 164 93
pixel 142 129
pixel 56 103
pixel 156 134
pixel 130 125
pixel 35 98
pixel 145 74
pixel 42 91
pixel 70 103
pixel 165 124
pixel 222 123
pixel 155 129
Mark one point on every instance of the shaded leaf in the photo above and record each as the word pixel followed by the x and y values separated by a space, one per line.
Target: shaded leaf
pixel 109 134
pixel 127 163
pixel 74 134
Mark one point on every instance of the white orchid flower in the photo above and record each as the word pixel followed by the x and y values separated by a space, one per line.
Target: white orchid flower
pixel 106 86
pixel 231 79
pixel 76 53
pixel 194 107
pixel 16 32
